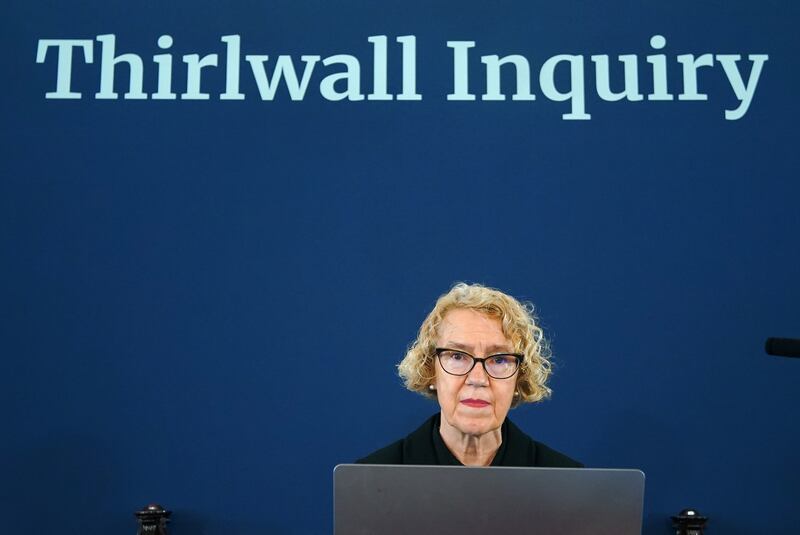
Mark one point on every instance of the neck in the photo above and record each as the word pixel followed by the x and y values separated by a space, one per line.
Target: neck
pixel 471 450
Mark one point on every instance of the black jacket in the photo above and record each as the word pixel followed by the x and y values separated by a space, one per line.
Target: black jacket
pixel 425 446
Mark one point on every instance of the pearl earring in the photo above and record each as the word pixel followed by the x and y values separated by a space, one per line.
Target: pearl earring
pixel 431 388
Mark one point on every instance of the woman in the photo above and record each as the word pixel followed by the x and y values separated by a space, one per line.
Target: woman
pixel 478 353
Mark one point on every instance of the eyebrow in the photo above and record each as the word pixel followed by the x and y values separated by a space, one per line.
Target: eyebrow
pixel 491 350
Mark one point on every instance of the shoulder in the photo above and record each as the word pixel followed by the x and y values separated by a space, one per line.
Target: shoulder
pixel 391 454
pixel 416 448
pixel 548 457
pixel 524 451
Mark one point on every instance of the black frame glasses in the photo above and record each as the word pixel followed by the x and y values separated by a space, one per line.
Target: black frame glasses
pixel 518 356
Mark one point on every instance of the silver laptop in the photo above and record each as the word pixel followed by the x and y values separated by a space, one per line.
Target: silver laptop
pixel 390 499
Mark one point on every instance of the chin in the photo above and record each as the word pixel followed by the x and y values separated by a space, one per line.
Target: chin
pixel 475 426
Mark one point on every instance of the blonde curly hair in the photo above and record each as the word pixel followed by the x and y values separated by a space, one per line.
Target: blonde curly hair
pixel 417 369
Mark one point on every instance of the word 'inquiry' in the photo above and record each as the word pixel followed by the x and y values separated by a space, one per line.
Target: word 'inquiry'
pixel 341 78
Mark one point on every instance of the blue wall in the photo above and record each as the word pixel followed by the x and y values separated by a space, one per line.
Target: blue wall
pixel 203 301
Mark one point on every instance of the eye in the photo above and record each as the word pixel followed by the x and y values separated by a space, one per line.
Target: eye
pixel 457 356
pixel 502 359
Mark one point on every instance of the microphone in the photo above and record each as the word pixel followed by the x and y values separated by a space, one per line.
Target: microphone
pixel 783 347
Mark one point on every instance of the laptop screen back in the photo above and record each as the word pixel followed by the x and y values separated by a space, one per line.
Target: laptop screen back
pixel 387 499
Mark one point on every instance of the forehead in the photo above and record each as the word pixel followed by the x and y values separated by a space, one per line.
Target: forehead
pixel 470 327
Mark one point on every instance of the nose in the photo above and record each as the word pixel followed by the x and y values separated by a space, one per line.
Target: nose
pixel 477 376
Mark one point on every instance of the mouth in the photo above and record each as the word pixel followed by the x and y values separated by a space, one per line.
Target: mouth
pixel 476 403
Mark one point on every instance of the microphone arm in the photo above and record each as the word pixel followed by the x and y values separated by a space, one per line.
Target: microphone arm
pixel 783 347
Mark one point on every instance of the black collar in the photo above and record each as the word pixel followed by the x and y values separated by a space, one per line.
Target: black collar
pixel 425 446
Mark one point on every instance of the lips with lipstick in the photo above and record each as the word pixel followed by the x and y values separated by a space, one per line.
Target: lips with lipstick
pixel 475 403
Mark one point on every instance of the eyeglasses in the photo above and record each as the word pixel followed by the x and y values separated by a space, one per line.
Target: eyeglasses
pixel 457 362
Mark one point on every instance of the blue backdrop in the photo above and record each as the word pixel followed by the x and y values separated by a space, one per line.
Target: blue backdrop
pixel 203 300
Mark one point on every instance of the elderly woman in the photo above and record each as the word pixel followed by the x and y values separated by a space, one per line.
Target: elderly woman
pixel 478 353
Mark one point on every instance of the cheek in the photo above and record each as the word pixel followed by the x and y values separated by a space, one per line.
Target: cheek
pixel 447 388
pixel 504 395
